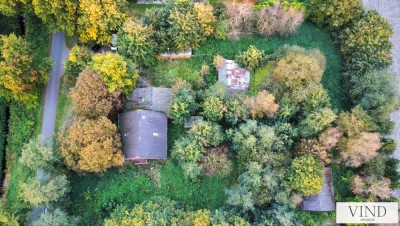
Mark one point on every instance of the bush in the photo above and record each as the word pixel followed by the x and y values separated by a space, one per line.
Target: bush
pixel 376 93
pixel 279 20
pixel 183 104
pixel 40 153
pixel 78 59
pixel 261 105
pixel 354 122
pixel 45 191
pixel 136 42
pixel 56 217
pixel 360 149
pixel 330 137
pixel 216 161
pixel 239 17
pixel 91 145
pixel 314 148
pixel 316 122
pixel 369 186
pixel 213 108
pixel 236 111
pixel 307 176
pixel 187 149
pixel 207 133
pixel 251 58
pixel 365 44
pixel 334 14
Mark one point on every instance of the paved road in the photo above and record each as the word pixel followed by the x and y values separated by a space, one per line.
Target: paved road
pixel 390 9
pixel 59 54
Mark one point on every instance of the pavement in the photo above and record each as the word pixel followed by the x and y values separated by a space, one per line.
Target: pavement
pixel 390 9
pixel 59 54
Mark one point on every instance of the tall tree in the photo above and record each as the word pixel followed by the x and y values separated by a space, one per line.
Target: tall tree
pixel 21 74
pixel 91 145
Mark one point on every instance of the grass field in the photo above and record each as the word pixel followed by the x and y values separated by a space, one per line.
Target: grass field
pixel 308 36
pixel 94 196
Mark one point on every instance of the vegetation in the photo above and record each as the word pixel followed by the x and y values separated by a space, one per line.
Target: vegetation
pixel 91 145
pixel 307 175
pixel 57 217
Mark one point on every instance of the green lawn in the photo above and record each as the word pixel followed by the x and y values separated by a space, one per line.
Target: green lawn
pixel 138 10
pixel 260 76
pixel 94 196
pixel 308 36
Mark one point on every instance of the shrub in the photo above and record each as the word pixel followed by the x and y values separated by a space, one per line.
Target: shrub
pixel 330 137
pixel 279 20
pixel 56 217
pixel 307 175
pixel 206 18
pixel 261 105
pixel 117 73
pixel 365 44
pixel 316 122
pixel 251 58
pixel 239 17
pixel 183 104
pixel 369 186
pixel 216 161
pixel 78 59
pixel 187 149
pixel 191 170
pixel 314 148
pixel 221 217
pixel 42 192
pixel 333 13
pixel 236 111
pixel 207 133
pixel 91 145
pixel 358 150
pixel 355 122
pixel 90 96
pixel 213 108
pixel 39 153
pixel 222 29
pixel 376 93
pixel 136 42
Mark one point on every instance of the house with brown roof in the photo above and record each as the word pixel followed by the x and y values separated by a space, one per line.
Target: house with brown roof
pixel 324 201
pixel 143 135
pixel 152 98
pixel 235 78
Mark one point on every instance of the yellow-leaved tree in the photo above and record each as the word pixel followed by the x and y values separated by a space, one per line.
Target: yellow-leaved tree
pixel 116 72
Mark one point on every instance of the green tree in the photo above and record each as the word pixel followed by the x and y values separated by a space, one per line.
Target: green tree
pixel 56 217
pixel 183 104
pixel 40 153
pixel 21 74
pixel 136 42
pixel 78 59
pixel 365 44
pixel 11 7
pixel 7 219
pixel 187 149
pixel 251 58
pixel 333 13
pixel 213 108
pixel 316 122
pixel 91 145
pixel 117 73
pixel 207 133
pixel 355 122
pixel 45 191
pixel 307 175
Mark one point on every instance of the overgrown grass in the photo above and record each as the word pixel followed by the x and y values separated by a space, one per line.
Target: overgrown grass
pixel 138 10
pixel 309 36
pixel 94 196
pixel 64 103
pixel 260 76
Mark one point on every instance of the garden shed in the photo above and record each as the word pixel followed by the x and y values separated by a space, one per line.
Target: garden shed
pixel 324 201
pixel 143 135
pixel 235 78
pixel 152 98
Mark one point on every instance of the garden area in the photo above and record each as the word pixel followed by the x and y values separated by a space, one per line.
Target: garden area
pixel 291 98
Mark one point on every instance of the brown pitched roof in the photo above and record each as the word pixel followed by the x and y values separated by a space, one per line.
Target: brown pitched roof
pixel 143 134
pixel 324 201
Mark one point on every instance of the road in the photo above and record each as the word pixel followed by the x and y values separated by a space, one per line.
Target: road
pixel 390 9
pixel 59 54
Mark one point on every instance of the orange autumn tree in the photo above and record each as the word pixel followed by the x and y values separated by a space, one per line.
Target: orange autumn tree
pixel 262 105
pixel 91 145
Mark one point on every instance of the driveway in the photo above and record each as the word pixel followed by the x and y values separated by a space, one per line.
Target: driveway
pixel 59 54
